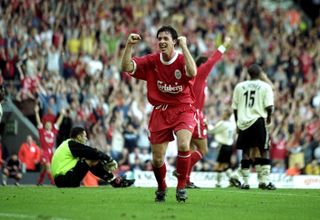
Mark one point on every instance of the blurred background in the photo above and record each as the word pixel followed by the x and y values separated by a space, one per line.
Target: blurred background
pixel 63 55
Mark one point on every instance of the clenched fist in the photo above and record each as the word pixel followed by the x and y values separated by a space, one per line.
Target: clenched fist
pixel 182 41
pixel 133 38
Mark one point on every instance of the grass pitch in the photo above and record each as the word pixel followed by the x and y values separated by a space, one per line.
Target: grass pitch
pixel 50 203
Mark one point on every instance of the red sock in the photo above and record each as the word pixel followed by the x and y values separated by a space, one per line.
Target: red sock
pixel 194 158
pixel 50 178
pixel 183 163
pixel 41 177
pixel 160 175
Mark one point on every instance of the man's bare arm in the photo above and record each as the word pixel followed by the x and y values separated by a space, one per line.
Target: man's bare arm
pixel 191 67
pixel 126 60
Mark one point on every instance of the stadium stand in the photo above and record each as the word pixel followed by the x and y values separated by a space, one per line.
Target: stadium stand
pixel 65 54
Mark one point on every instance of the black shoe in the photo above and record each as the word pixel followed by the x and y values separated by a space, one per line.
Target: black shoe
pixel 269 186
pixel 181 195
pixel 262 185
pixel 191 186
pixel 234 182
pixel 121 182
pixel 160 196
pixel 245 186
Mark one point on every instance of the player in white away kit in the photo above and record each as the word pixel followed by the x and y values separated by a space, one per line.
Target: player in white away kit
pixel 224 133
pixel 253 102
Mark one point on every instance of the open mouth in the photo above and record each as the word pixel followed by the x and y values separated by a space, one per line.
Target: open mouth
pixel 162 46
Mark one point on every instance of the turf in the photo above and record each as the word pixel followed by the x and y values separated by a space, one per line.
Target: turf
pixel 31 202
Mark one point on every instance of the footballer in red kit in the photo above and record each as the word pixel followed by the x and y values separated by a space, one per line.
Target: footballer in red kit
pixel 170 77
pixel 47 138
pixel 199 136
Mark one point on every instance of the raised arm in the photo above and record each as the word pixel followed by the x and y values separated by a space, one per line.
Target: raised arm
pixel 191 67
pixel 264 77
pixel 59 120
pixel 126 61
pixel 36 111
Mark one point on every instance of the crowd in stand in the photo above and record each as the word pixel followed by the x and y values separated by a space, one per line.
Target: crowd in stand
pixel 65 55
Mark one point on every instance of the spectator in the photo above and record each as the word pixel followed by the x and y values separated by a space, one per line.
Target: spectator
pixel 47 136
pixel 294 170
pixel 29 154
pixel 2 94
pixel 312 168
pixel 12 169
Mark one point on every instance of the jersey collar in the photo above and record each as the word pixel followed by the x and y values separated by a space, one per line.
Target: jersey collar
pixel 176 53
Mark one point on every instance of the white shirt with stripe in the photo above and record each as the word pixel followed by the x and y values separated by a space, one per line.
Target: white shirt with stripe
pixel 250 99
pixel 224 131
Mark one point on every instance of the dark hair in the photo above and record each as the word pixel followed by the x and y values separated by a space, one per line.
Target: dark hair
pixel 169 29
pixel 76 131
pixel 200 60
pixel 254 71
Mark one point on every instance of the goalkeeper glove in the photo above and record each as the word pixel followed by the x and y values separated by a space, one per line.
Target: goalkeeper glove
pixel 111 165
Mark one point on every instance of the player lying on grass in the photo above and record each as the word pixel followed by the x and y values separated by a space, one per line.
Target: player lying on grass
pixel 73 159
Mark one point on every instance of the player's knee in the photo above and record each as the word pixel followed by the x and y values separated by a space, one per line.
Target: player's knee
pixel 157 161
pixel 92 163
pixel 19 176
pixel 183 147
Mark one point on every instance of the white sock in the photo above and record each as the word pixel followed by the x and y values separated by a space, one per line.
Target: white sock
pixel 265 173
pixel 245 175
pixel 236 174
pixel 258 170
pixel 229 173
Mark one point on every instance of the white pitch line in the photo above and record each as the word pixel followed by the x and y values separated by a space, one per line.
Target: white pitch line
pixel 24 216
pixel 265 193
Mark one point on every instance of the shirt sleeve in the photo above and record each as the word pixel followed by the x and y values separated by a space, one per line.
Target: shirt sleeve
pixel 217 128
pixel 84 151
pixel 142 65
pixel 235 99
pixel 205 69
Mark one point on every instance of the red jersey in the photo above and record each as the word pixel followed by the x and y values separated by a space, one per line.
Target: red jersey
pixel 201 78
pixel 47 138
pixel 167 82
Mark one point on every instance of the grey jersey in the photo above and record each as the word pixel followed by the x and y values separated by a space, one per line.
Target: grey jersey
pixel 250 99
